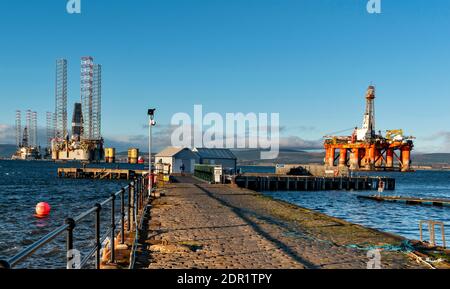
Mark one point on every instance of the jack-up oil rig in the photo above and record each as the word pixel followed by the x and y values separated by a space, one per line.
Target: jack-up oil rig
pixel 86 142
pixel 365 150
pixel 26 141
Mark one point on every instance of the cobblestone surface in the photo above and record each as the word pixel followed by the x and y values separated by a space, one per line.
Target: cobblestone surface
pixel 219 227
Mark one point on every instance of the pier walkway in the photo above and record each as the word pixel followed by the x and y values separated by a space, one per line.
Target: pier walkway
pixel 197 225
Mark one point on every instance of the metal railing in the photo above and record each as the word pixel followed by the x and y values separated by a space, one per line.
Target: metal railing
pixel 432 230
pixel 137 197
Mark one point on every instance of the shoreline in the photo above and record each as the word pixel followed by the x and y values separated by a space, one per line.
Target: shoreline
pixel 415 168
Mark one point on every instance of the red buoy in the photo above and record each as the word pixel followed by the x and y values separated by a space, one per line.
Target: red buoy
pixel 42 209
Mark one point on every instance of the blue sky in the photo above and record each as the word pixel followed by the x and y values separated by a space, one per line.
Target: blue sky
pixel 309 60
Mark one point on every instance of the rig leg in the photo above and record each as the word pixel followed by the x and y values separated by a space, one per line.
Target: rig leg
pixel 406 158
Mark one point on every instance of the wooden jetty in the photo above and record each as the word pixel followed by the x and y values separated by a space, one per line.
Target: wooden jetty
pixel 272 182
pixel 99 173
pixel 409 200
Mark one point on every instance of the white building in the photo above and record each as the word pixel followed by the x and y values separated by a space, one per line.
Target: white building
pixel 178 158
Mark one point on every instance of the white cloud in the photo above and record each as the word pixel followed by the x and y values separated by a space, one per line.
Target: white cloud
pixel 7 134
pixel 438 142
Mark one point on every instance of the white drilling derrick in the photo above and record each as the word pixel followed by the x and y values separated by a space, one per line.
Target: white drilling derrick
pixel 50 128
pixel 28 129
pixel 97 102
pixel 87 81
pixel 61 99
pixel 18 128
pixel 33 130
pixel 91 93
pixel 367 132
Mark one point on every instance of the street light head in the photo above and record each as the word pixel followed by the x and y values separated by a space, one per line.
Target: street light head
pixel 151 111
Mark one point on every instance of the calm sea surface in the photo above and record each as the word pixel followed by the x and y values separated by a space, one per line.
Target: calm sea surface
pixel 23 185
pixel 396 218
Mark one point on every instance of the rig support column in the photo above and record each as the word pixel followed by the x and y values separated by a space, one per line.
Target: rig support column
pixel 354 160
pixel 406 158
pixel 389 158
pixel 378 158
pixel 371 159
pixel 343 157
pixel 331 157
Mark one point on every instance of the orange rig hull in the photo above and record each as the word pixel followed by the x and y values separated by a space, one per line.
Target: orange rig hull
pixel 376 156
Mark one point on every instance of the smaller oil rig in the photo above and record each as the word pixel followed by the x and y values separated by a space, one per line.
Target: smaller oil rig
pixel 365 150
pixel 26 141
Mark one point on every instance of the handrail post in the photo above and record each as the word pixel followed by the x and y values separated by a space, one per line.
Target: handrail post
pixel 140 193
pixel 143 196
pixel 97 236
pixel 140 198
pixel 129 206
pixel 113 228
pixel 144 187
pixel 69 241
pixel 135 193
pixel 122 215
pixel 135 207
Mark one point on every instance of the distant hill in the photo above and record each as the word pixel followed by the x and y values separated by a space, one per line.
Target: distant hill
pixel 7 150
pixel 252 157
pixel 286 156
pixel 431 159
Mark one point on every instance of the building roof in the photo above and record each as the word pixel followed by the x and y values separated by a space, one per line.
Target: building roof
pixel 213 153
pixel 169 152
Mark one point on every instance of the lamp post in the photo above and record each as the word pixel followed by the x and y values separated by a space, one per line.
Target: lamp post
pixel 151 122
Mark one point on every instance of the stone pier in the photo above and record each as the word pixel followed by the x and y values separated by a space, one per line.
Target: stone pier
pixel 197 225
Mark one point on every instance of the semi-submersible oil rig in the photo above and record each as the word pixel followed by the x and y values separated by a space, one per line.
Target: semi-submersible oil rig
pixel 365 150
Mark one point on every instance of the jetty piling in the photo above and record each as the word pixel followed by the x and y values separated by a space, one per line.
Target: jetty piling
pixel 99 173
pixel 409 200
pixel 311 183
